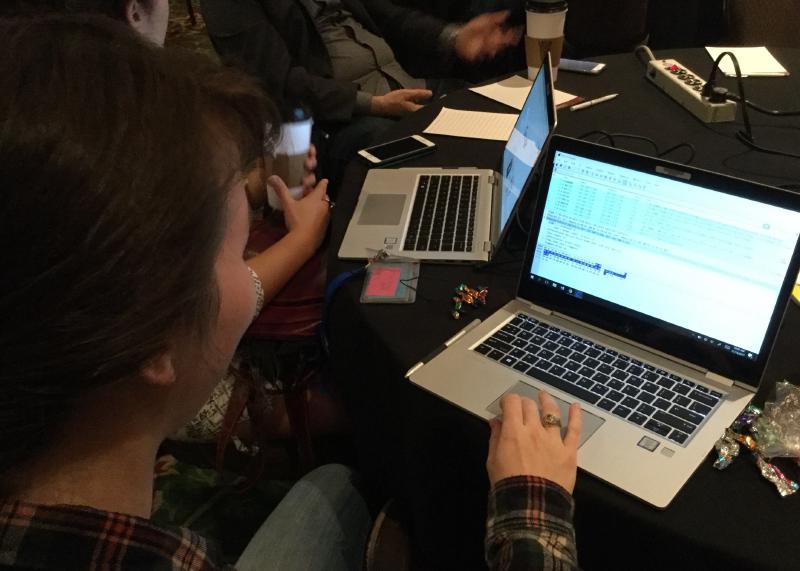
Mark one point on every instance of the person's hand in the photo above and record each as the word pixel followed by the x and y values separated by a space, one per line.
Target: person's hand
pixel 309 166
pixel 521 446
pixel 484 36
pixel 306 218
pixel 399 102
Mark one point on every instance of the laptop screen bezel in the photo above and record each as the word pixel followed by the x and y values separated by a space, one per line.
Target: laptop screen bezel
pixel 552 119
pixel 646 330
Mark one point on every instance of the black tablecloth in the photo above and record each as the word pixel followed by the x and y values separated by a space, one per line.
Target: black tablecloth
pixel 431 456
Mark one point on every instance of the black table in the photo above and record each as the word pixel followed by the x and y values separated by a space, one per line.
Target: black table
pixel 431 456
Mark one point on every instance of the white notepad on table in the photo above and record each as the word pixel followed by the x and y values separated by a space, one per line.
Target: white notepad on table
pixel 754 61
pixel 472 124
pixel 513 90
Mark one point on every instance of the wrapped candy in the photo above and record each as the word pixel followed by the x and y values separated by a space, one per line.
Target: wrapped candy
pixel 768 433
pixel 466 295
pixel 778 428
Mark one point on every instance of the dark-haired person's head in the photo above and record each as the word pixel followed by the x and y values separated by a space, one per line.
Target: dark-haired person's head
pixel 123 221
pixel 148 17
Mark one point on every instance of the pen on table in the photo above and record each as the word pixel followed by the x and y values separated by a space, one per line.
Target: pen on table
pixel 586 104
pixel 444 346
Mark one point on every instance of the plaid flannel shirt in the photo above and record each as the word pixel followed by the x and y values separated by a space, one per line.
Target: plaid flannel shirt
pixel 71 537
pixel 529 526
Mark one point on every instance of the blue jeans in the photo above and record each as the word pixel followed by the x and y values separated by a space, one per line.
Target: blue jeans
pixel 321 524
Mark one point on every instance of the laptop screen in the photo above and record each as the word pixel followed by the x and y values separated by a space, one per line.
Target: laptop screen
pixel 525 144
pixel 704 264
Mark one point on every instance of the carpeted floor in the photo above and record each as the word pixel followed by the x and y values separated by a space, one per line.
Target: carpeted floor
pixel 181 32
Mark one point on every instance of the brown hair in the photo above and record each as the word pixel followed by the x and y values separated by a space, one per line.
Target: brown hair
pixel 113 203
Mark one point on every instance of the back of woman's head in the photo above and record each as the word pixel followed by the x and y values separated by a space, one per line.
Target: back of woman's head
pixel 115 157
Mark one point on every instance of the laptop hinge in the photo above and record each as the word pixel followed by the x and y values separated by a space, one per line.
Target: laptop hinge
pixel 715 378
pixel 487 246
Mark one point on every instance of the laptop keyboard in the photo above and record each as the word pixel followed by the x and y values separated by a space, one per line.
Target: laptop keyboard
pixel 443 215
pixel 663 403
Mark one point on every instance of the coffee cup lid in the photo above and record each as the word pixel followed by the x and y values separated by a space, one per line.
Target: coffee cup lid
pixel 546 5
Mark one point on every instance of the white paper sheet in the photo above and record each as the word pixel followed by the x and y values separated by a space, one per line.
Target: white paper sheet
pixel 752 61
pixel 473 124
pixel 513 90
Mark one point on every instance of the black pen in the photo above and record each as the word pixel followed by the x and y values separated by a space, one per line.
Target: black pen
pixel 429 357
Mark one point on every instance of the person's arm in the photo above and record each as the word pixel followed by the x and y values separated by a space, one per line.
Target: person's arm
pixel 481 37
pixel 243 36
pixel 306 219
pixel 529 526
pixel 532 472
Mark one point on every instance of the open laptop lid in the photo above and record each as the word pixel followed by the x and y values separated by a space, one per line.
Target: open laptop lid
pixel 535 124
pixel 694 264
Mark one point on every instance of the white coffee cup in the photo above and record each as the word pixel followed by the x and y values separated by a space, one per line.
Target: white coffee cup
pixel 288 158
pixel 544 33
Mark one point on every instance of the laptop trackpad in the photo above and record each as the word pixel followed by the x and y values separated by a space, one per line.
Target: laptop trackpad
pixel 382 210
pixel 590 422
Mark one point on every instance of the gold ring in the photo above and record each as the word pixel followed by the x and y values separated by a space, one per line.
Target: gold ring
pixel 551 420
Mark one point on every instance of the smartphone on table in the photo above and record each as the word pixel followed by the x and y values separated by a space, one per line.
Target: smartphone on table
pixel 397 150
pixel 581 66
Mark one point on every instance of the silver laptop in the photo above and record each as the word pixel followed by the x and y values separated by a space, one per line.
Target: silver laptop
pixel 451 215
pixel 652 294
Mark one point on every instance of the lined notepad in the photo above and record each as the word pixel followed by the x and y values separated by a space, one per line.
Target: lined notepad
pixel 472 124
pixel 513 91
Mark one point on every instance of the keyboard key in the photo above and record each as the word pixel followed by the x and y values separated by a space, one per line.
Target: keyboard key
pixel 564 352
pixel 606 404
pixel 630 402
pixel 550 345
pixel 678 436
pixel 566 342
pixel 503 336
pixel 579 347
pixel 483 348
pixel 524 335
pixel 499 345
pixel 621 375
pixel 657 427
pixel 650 376
pixel 614 395
pixel 586 371
pixel 496 355
pixel 682 401
pixel 646 409
pixel 599 389
pixel 688 383
pixel 646 397
pixel 518 353
pixel 553 336
pixel 605 368
pixel 612 352
pixel 687 415
pixel 648 367
pixel 572 365
pixel 650 388
pixel 577 357
pixel 630 391
pixel 715 394
pixel 661 403
pixel 615 384
pixel 606 358
pixel 666 394
pixel 585 383
pixel 530 359
pixel 508 361
pixel 702 389
pixel 510 329
pixel 662 372
pixel 542 365
pixel 558 359
pixel 700 408
pixel 622 411
pixel 557 370
pixel 620 363
pixel 571 377
pixel 634 370
pixel 592 352
pixel 545 354
pixel 635 381
pixel 681 389
pixel 520 343
pixel 625 358
pixel 600 377
pixel 664 382
pixel 522 366
pixel 674 421
pixel 706 399
pixel 637 418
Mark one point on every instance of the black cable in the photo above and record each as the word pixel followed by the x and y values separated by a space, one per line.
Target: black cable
pixel 711 91
pixel 658 153
pixel 764 110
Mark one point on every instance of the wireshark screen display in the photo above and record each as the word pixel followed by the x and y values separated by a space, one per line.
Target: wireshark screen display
pixel 524 145
pixel 705 261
